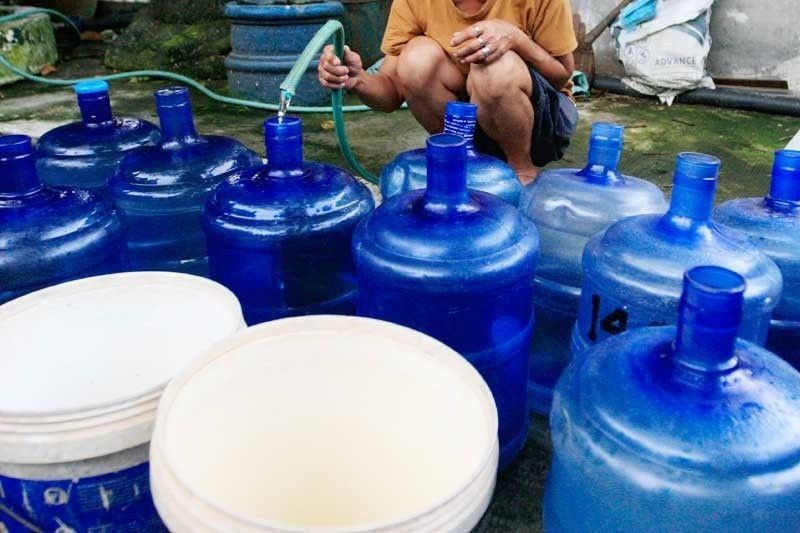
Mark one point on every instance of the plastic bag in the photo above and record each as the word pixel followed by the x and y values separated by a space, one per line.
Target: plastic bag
pixel 667 55
pixel 637 13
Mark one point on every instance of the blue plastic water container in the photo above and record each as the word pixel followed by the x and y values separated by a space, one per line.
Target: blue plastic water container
pixel 86 154
pixel 279 235
pixel 773 224
pixel 162 189
pixel 678 429
pixel 457 264
pixel 50 235
pixel 408 171
pixel 632 272
pixel 568 207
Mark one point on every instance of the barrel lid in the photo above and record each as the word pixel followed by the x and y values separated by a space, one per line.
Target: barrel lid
pixel 84 363
pixel 374 380
pixel 270 11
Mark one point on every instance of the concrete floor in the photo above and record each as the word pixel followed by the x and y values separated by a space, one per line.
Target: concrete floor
pixel 744 142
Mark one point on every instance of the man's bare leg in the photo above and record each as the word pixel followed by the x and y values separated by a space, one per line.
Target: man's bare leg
pixel 428 79
pixel 502 90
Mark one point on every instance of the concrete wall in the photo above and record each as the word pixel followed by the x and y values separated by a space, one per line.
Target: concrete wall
pixel 750 39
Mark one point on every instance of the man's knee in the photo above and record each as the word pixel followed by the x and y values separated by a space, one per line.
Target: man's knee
pixel 419 62
pixel 495 80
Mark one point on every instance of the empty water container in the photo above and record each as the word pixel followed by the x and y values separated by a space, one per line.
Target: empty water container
pixel 50 235
pixel 678 429
pixel 458 265
pixel 279 235
pixel 407 171
pixel 568 207
pixel 773 224
pixel 632 272
pixel 86 154
pixel 162 189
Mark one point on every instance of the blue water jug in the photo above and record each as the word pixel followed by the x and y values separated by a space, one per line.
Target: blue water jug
pixel 773 224
pixel 279 235
pixel 669 429
pixel 457 264
pixel 50 235
pixel 162 189
pixel 86 154
pixel 632 272
pixel 408 170
pixel 568 207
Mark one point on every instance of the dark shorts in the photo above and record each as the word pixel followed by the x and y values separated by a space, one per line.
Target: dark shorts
pixel 555 120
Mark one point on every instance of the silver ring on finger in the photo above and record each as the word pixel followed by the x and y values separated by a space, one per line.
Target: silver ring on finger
pixel 481 41
pixel 486 52
pixel 477 31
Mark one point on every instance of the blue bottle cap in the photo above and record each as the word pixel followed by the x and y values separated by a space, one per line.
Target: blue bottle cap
pixel 91 87
pixel 786 176
pixel 463 110
pixel 15 145
pixel 461 118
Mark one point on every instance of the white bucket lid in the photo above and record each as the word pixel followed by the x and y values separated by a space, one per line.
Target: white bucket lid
pixel 84 363
pixel 292 425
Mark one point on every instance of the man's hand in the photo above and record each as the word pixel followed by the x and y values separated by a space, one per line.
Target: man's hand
pixel 335 75
pixel 485 41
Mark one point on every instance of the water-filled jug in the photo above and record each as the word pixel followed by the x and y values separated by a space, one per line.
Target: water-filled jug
pixel 50 235
pixel 457 264
pixel 569 206
pixel 773 224
pixel 162 189
pixel 87 153
pixel 632 272
pixel 279 235
pixel 407 171
pixel 678 429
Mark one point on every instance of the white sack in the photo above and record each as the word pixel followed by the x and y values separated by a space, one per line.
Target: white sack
pixel 667 55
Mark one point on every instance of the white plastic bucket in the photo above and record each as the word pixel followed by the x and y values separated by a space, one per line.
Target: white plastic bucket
pixel 82 368
pixel 325 423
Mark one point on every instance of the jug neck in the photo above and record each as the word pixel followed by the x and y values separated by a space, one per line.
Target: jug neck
pixel 283 138
pixel 605 152
pixel 446 190
pixel 461 119
pixel 695 185
pixel 18 176
pixel 95 105
pixel 784 192
pixel 175 115
pixel 709 317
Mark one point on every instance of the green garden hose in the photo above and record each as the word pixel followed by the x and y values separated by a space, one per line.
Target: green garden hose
pixel 332 28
